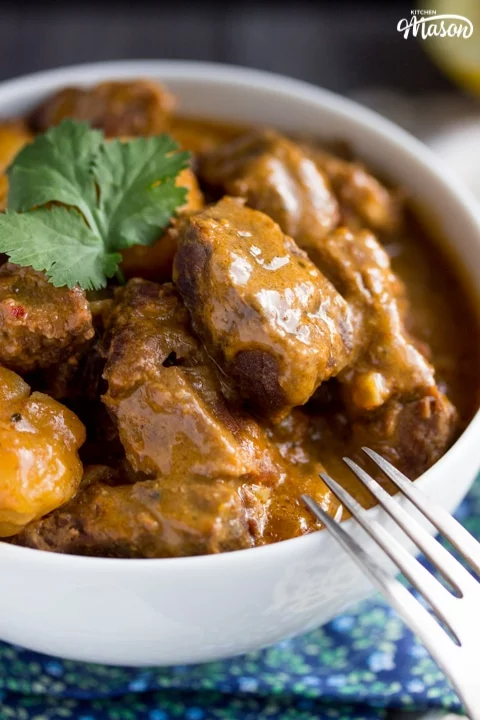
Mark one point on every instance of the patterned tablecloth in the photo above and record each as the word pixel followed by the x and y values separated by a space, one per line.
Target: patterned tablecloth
pixel 357 666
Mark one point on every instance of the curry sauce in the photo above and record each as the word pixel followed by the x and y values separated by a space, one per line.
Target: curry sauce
pixel 295 309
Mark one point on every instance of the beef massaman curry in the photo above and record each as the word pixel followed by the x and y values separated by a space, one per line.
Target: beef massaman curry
pixel 188 338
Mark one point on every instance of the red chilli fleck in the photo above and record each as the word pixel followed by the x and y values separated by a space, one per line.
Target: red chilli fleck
pixel 18 311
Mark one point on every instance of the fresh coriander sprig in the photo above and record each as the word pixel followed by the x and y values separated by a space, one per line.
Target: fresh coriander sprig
pixel 106 196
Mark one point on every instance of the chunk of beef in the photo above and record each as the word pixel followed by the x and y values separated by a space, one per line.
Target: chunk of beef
pixel 77 379
pixel 277 176
pixel 180 408
pixel 272 320
pixel 387 362
pixel 40 325
pixel 147 330
pixel 161 384
pixel 155 262
pixel 389 391
pixel 364 202
pixel 149 520
pixel 412 433
pixel 139 107
pixel 268 170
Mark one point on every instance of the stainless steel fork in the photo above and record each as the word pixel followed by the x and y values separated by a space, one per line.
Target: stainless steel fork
pixel 456 645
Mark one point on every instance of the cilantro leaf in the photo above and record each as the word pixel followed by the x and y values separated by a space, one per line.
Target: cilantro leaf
pixel 137 188
pixel 57 167
pixel 59 242
pixel 108 195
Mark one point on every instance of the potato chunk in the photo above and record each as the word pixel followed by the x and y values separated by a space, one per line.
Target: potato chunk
pixel 40 467
pixel 14 134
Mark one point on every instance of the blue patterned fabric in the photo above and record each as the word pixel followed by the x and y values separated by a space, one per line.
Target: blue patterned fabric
pixel 355 667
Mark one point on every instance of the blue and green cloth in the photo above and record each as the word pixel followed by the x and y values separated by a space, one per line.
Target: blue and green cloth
pixel 357 666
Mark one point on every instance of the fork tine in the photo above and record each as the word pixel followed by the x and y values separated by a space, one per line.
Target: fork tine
pixel 440 518
pixel 414 614
pixel 439 598
pixel 450 568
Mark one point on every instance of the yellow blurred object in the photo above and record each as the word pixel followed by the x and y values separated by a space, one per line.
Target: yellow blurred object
pixel 459 58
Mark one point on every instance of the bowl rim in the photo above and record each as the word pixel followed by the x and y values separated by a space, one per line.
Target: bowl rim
pixel 298 90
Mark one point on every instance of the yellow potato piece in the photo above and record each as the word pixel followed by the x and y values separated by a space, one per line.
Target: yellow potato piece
pixel 13 136
pixel 39 464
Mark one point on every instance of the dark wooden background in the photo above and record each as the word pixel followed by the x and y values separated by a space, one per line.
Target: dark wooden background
pixel 344 46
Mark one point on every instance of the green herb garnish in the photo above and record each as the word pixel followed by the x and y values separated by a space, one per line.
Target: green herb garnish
pixel 107 197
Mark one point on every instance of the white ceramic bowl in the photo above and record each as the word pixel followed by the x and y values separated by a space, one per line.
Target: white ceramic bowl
pixel 161 612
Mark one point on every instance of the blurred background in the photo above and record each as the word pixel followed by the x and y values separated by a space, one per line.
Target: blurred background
pixel 350 47
pixel 338 44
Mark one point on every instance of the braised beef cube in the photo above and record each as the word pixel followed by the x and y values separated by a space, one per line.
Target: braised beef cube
pixel 411 433
pixel 387 362
pixel 277 176
pixel 390 383
pixel 364 201
pixel 124 108
pixel 170 426
pixel 358 266
pixel 160 387
pixel 168 399
pixel 148 520
pixel 40 325
pixel 306 189
pixel 272 321
pixel 148 329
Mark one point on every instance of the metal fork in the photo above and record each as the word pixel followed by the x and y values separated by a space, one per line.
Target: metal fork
pixel 457 651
